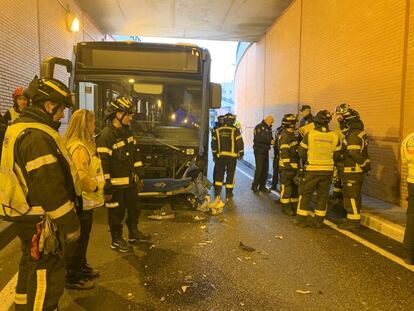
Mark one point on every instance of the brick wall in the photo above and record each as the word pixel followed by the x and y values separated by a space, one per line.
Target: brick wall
pixel 324 53
pixel 31 30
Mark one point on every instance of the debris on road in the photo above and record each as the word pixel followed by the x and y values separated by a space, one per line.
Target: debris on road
pixel 239 259
pixel 198 218
pixel 279 237
pixel 163 299
pixel 264 253
pixel 184 288
pixel 246 247
pixel 320 292
pixel 130 296
pixel 203 227
pixel 208 241
pixel 152 246
pixel 301 291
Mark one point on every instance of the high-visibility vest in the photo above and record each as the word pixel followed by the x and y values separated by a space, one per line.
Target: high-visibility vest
pixel 14 114
pixel 95 199
pixel 306 128
pixel 321 147
pixel 13 186
pixel 407 155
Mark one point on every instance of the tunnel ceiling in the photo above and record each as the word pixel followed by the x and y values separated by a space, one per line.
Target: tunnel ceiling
pixel 238 20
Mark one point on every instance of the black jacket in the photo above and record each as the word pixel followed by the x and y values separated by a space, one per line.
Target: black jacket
pixel 355 149
pixel 227 142
pixel 288 150
pixel 121 160
pixel 50 185
pixel 306 120
pixel 262 138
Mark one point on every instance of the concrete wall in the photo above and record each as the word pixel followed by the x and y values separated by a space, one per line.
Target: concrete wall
pixel 324 53
pixel 31 30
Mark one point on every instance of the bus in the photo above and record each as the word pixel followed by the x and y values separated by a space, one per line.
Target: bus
pixel 170 88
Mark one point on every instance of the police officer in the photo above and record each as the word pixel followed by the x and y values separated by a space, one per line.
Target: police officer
pixel 227 146
pixel 320 149
pixel 40 189
pixel 263 139
pixel 20 102
pixel 122 169
pixel 306 114
pixel 275 178
pixel 407 155
pixel 288 164
pixel 356 165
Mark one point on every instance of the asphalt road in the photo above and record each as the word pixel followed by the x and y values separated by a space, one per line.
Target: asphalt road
pixel 198 265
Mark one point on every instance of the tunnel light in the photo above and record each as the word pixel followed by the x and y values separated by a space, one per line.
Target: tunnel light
pixel 73 24
pixel 131 81
pixel 159 103
pixel 173 116
pixel 185 121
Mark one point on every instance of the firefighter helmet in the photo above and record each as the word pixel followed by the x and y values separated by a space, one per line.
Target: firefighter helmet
pixel 229 119
pixel 339 110
pixel 121 104
pixel 350 114
pixel 323 118
pixel 289 120
pixel 49 89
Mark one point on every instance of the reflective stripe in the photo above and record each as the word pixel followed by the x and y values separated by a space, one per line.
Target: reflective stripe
pixel 293 143
pixel 354 207
pixel 104 150
pixel 130 139
pixel 335 189
pixel 338 148
pixel 284 201
pixel 39 162
pixel 41 286
pixel 62 210
pixel 238 137
pixel 218 183
pixel 285 160
pixel 294 200
pixel 299 211
pixel 118 145
pixel 138 164
pixel 112 205
pixel 303 145
pixel 56 88
pixel 319 168
pixel 294 165
pixel 353 147
pixel 226 153
pixel 107 176
pixel 353 217
pixel 320 213
pixel 229 186
pixel 282 191
pixel 284 146
pixel 120 181
pixel 365 163
pixel 20 299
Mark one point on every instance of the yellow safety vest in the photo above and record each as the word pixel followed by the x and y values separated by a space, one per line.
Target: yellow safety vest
pixel 14 114
pixel 13 187
pixel 306 128
pixel 321 147
pixel 407 155
pixel 91 200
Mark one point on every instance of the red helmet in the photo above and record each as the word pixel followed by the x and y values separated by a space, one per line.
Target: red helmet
pixel 18 92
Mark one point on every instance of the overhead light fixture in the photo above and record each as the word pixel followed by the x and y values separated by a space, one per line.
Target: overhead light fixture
pixel 72 21
pixel 159 103
pixel 131 80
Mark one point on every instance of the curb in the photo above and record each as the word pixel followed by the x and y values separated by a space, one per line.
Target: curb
pixel 372 221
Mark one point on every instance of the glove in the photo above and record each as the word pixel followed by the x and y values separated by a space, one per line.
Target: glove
pixel 140 185
pixel 240 157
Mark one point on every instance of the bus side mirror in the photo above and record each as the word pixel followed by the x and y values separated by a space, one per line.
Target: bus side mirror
pixel 215 95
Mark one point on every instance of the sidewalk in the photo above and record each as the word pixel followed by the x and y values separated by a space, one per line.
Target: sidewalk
pixel 380 216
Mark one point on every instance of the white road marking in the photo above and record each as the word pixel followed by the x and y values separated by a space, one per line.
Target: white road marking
pixel 7 293
pixel 354 237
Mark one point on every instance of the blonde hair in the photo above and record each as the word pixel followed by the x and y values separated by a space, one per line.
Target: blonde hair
pixel 78 128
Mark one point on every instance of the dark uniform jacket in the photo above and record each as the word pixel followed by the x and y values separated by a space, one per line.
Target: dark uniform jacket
pixel 121 160
pixel 262 138
pixel 278 132
pixel 46 171
pixel 355 149
pixel 306 120
pixel 3 127
pixel 227 142
pixel 288 150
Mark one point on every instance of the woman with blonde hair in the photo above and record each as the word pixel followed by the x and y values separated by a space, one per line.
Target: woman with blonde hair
pixel 80 143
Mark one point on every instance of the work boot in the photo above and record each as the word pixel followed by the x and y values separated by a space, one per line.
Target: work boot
pixel 137 236
pixel 75 280
pixel 300 221
pixel 254 189
pixel 316 222
pixel 120 245
pixel 88 271
pixel 409 258
pixel 350 225
pixel 287 209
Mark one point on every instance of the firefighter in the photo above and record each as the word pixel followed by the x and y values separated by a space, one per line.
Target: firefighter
pixel 407 155
pixel 263 139
pixel 122 169
pixel 320 149
pixel 288 164
pixel 40 188
pixel 356 165
pixel 20 102
pixel 227 146
pixel 275 178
